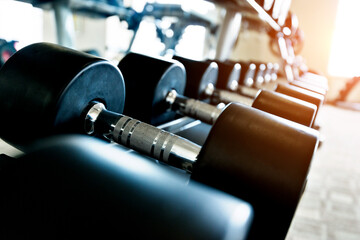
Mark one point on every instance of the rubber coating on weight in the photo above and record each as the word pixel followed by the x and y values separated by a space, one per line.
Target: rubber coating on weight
pixel 45 89
pixel 300 93
pixel 148 80
pixel 228 72
pixel 246 72
pixel 261 158
pixel 286 107
pixel 199 75
pixel 82 188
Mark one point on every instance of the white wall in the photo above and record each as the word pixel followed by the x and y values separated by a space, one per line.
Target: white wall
pixel 317 20
pixel 21 22
pixel 90 32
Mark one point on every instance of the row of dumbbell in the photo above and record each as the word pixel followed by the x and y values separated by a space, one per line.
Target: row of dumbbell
pixel 208 81
pixel 251 154
pixel 310 87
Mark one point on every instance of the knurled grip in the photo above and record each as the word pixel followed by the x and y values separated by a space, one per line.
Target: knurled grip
pixel 144 138
pixel 156 143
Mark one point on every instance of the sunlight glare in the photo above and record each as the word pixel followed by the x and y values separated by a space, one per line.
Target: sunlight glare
pixel 345 49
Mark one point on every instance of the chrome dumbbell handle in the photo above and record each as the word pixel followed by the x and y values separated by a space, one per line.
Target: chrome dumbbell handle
pixel 225 96
pixel 144 138
pixel 248 91
pixel 193 108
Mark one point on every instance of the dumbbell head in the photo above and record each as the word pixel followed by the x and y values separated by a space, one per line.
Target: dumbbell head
pixel 247 76
pixel 202 74
pixel 148 80
pixel 286 107
pixel 262 159
pixel 260 73
pixel 80 187
pixel 52 89
pixel 300 93
pixel 275 72
pixel 229 74
pixel 308 86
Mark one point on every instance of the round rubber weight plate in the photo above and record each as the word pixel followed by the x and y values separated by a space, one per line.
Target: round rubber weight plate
pixel 260 158
pixel 148 80
pixel 199 74
pixel 286 107
pixel 46 87
pixel 228 72
pixel 300 93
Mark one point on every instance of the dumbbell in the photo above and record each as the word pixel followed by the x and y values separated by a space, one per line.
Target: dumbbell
pixel 260 73
pixel 202 77
pixel 247 74
pixel 283 88
pixel 285 46
pixel 229 71
pixel 269 69
pixel 223 81
pixel 315 79
pixel 305 84
pixel 76 187
pixel 261 158
pixel 253 72
pixel 249 68
pixel 250 77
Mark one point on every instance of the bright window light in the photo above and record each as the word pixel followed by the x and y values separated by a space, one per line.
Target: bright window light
pixel 20 21
pixel 192 42
pixel 345 49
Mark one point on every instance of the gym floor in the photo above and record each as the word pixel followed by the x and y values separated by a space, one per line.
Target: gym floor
pixel 330 207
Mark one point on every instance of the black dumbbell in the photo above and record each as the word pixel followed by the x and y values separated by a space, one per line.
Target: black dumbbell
pixel 261 158
pixel 78 187
pixel 247 74
pixel 202 77
pixel 283 88
pixel 305 84
pixel 315 79
pixel 228 74
pixel 259 78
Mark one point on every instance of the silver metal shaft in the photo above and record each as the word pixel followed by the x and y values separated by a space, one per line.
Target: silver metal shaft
pixel 193 108
pixel 228 97
pixel 248 91
pixel 144 138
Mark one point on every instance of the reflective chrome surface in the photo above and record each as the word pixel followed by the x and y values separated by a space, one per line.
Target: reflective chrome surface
pixel 247 91
pixel 152 141
pixel 193 108
pixel 228 97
